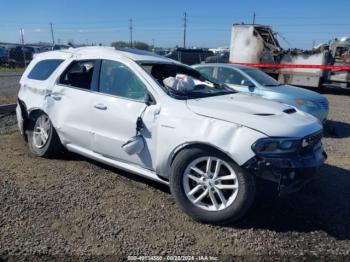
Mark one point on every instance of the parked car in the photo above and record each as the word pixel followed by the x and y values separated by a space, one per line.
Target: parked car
pixel 253 81
pixel 22 55
pixel 3 56
pixel 163 120
pixel 60 47
pixel 189 56
pixel 222 57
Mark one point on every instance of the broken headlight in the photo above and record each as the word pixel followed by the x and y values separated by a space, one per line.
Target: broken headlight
pixel 271 146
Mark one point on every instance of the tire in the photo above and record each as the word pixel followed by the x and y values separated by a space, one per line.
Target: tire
pixel 237 201
pixel 52 146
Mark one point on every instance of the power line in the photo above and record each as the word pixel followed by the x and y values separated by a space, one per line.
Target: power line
pixel 130 28
pixel 52 35
pixel 185 25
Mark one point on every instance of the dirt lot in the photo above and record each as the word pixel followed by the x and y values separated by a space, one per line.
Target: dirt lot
pixel 73 207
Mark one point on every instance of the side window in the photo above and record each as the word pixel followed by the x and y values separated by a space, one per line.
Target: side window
pixel 43 69
pixel 119 80
pixel 230 76
pixel 206 71
pixel 79 74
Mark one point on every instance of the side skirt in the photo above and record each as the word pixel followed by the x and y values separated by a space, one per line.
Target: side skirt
pixel 118 164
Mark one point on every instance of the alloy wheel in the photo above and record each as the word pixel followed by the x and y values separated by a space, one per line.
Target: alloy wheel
pixel 210 183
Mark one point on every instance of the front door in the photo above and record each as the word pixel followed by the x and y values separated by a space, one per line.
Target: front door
pixel 115 110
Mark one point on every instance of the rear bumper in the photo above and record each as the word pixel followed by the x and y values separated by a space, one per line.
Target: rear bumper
pixel 290 173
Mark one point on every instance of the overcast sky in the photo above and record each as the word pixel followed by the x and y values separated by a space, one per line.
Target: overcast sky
pixel 209 22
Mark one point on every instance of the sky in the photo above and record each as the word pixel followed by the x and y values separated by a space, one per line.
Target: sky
pixel 298 23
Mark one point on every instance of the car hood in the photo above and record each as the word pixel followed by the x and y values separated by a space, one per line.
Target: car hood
pixel 294 92
pixel 263 115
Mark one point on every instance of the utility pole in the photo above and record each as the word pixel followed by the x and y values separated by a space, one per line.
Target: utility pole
pixel 254 18
pixel 130 28
pixel 52 35
pixel 185 25
pixel 21 31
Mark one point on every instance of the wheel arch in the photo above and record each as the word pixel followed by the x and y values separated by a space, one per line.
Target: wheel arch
pixel 202 145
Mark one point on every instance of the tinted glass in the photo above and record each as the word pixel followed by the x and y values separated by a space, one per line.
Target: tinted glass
pixel 79 74
pixel 230 76
pixel 43 69
pixel 261 77
pixel 117 79
pixel 206 71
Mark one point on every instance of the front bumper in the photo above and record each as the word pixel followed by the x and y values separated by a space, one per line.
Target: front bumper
pixel 290 173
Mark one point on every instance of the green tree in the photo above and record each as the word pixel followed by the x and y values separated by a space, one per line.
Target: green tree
pixel 136 44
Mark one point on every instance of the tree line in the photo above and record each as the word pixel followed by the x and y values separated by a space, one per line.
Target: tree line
pixel 135 44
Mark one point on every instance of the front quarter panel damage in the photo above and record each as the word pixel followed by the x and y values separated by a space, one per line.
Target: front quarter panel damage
pixel 177 132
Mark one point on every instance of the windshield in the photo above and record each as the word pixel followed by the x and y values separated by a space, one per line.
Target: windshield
pixel 261 77
pixel 204 87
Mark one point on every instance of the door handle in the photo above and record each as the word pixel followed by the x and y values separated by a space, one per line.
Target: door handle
pixel 100 106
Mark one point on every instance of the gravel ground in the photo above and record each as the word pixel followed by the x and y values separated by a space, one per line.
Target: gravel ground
pixel 71 207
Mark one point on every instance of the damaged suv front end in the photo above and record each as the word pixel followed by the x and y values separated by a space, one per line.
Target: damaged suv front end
pixel 289 162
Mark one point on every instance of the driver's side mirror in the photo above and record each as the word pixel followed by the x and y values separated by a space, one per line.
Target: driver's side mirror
pixel 149 100
pixel 247 83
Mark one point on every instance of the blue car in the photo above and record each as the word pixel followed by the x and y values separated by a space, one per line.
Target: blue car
pixel 255 82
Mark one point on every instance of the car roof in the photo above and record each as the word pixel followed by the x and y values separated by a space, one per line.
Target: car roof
pixel 130 53
pixel 224 65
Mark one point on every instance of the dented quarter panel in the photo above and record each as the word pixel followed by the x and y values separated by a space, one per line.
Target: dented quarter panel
pixel 181 127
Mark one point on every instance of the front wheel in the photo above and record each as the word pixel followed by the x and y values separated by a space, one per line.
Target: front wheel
pixel 210 187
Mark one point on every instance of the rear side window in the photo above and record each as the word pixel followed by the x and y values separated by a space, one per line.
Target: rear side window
pixel 43 69
pixel 79 74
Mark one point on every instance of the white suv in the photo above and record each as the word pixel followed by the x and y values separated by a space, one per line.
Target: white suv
pixel 210 143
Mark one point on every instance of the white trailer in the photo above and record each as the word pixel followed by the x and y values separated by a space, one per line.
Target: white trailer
pixel 257 45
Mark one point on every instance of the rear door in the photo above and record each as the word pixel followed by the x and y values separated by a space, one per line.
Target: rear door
pixel 70 103
pixel 116 108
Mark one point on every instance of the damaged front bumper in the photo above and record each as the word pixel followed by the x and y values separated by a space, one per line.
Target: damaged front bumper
pixel 291 172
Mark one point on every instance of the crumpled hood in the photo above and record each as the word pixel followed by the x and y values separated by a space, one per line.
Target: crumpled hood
pixel 263 115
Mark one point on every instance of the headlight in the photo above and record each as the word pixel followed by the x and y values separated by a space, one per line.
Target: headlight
pixel 270 146
pixel 303 102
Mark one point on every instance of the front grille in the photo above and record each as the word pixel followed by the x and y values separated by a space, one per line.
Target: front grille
pixel 309 143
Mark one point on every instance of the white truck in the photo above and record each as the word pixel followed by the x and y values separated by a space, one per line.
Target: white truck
pixel 257 45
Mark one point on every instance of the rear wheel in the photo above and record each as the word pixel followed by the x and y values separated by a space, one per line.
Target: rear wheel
pixel 42 137
pixel 210 187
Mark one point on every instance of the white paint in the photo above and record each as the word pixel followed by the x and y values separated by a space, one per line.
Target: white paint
pixel 227 123
pixel 303 59
pixel 245 47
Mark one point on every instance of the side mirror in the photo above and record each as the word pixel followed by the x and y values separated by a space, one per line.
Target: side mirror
pixel 247 83
pixel 149 100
